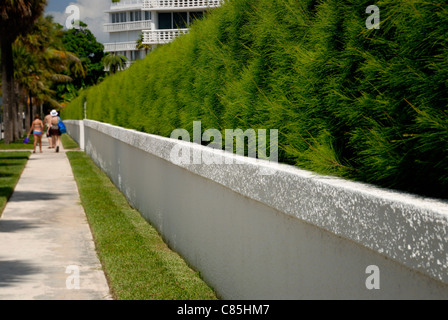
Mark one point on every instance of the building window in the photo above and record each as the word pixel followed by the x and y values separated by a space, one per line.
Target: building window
pixel 130 16
pixel 180 20
pixel 115 17
pixel 165 20
pixel 122 16
pixel 135 16
pixel 196 16
pixel 173 20
pixel 135 55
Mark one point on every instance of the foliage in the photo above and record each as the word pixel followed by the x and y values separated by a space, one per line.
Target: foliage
pixel 83 43
pixel 143 46
pixel 359 103
pixel 114 62
pixel 41 62
pixel 17 17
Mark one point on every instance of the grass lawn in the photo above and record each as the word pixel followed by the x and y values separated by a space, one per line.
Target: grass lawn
pixel 68 143
pixel 137 263
pixel 11 167
pixel 18 144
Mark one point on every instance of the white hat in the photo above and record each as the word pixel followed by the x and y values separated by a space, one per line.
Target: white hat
pixel 54 113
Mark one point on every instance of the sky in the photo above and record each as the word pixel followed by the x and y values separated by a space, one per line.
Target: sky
pixel 91 13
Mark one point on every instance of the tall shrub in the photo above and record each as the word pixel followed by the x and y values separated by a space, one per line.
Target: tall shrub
pixel 363 104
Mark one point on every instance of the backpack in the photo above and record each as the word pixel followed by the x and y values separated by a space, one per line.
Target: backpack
pixel 61 125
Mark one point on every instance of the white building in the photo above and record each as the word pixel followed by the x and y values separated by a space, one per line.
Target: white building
pixel 159 21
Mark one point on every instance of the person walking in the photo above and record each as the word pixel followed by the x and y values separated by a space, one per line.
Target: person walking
pixel 47 121
pixel 54 130
pixel 37 128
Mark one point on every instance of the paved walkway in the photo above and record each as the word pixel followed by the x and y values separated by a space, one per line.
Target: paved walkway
pixel 46 247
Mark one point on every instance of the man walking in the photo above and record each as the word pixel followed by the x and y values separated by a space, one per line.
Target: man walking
pixel 47 121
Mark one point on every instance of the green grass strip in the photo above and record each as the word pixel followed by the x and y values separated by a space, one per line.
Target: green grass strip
pixel 68 143
pixel 137 263
pixel 11 167
pixel 17 145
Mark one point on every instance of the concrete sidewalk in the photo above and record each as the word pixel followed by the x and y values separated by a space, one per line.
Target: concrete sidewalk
pixel 46 247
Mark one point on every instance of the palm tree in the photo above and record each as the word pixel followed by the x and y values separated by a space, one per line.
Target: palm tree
pixel 43 62
pixel 16 18
pixel 141 45
pixel 114 62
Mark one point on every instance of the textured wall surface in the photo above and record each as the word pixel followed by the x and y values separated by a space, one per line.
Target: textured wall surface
pixel 73 129
pixel 260 230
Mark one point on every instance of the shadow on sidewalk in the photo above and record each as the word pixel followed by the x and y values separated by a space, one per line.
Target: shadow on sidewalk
pixel 35 196
pixel 14 271
pixel 15 225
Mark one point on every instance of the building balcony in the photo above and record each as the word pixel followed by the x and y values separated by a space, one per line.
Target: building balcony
pixel 125 5
pixel 120 46
pixel 173 5
pixel 127 26
pixel 162 36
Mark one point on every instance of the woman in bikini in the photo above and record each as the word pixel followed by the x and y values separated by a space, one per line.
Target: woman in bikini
pixel 37 128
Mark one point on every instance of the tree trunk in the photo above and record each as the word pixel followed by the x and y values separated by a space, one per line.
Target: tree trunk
pixel 21 113
pixel 8 89
pixel 18 130
pixel 28 114
pixel 33 110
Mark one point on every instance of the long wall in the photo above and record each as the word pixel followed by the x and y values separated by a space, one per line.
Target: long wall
pixel 290 234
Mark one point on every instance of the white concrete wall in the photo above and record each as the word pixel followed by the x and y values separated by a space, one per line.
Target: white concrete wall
pixel 73 129
pixel 289 235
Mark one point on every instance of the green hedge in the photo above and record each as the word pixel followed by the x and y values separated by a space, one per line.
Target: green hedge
pixel 364 104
